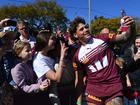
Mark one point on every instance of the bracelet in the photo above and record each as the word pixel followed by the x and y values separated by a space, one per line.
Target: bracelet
pixel 78 103
pixel 61 60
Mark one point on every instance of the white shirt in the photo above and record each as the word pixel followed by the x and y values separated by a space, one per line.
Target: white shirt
pixel 42 64
pixel 31 40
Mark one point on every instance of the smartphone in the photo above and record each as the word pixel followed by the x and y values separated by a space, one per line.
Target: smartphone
pixel 11 23
pixel 123 13
pixel 139 50
pixel 123 28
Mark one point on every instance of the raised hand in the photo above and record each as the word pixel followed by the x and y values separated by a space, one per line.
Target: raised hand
pixel 128 21
pixel 64 49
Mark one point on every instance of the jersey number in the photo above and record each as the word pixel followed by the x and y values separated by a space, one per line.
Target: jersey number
pixel 99 65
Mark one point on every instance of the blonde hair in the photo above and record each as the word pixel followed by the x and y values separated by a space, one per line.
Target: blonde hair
pixel 19 45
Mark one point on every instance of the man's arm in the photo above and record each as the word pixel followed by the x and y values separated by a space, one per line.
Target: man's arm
pixel 56 76
pixel 123 36
pixel 128 21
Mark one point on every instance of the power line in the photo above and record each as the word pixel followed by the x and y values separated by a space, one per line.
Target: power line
pixel 100 12
pixel 92 10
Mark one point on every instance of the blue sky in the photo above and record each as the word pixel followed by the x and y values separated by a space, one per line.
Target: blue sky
pixel 107 8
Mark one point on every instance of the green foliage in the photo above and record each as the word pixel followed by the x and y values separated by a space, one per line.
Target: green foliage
pixel 137 21
pixel 37 14
pixel 113 24
pixel 100 22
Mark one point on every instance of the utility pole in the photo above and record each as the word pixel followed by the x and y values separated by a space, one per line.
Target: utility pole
pixel 89 14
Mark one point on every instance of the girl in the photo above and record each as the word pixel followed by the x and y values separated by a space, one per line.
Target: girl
pixel 44 62
pixel 23 74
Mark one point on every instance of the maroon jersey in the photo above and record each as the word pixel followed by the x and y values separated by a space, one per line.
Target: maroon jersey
pixel 97 59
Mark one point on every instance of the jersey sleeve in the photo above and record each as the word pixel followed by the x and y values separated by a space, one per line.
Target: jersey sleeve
pixel 108 37
pixel 76 63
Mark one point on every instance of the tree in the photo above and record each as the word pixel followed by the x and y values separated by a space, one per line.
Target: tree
pixel 101 22
pixel 137 21
pixel 37 14
pixel 113 24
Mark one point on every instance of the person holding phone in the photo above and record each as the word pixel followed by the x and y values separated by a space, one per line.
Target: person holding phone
pixel 95 57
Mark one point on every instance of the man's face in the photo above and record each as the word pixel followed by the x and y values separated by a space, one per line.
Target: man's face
pixel 137 42
pixel 82 32
pixel 23 29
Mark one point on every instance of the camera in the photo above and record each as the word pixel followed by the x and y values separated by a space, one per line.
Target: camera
pixel 11 23
pixel 123 28
pixel 138 49
pixel 62 39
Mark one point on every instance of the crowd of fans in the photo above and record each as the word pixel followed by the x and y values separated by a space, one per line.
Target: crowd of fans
pixel 67 68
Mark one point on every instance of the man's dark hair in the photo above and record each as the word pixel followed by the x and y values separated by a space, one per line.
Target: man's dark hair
pixel 22 22
pixel 74 24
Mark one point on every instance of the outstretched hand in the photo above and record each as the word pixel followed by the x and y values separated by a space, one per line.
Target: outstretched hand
pixel 128 21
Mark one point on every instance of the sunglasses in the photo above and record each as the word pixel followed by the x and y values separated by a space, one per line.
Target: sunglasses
pixel 23 29
pixel 84 27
